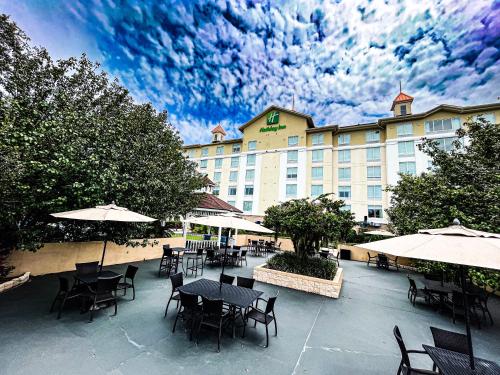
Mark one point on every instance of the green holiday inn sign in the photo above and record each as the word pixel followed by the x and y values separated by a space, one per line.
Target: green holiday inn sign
pixel 272 121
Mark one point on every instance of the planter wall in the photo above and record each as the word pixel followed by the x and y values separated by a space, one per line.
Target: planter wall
pixel 328 288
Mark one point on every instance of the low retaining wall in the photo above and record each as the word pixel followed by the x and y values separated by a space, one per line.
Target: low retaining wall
pixel 328 288
pixel 61 257
pixel 360 254
pixel 286 243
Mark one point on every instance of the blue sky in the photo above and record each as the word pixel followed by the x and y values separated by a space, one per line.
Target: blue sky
pixel 210 62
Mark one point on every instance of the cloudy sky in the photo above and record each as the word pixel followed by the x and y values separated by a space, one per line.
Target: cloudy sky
pixel 210 62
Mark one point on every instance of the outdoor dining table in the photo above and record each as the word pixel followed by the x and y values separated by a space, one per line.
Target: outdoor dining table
pixel 91 278
pixel 454 363
pixel 233 295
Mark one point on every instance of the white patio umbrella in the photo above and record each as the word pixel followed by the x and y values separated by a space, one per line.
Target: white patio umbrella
pixel 455 244
pixel 228 221
pixel 110 212
pixel 380 232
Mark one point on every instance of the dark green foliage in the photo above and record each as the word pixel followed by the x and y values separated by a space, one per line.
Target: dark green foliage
pixel 307 266
pixel 71 138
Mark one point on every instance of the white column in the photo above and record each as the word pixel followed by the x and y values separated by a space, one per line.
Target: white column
pixel 219 236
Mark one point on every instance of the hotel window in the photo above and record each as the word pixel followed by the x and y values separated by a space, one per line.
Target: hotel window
pixel 345 192
pixel 404 130
pixel 373 172
pixel 233 176
pixel 250 175
pixel 406 148
pixel 218 163
pixel 291 173
pixel 373 154
pixel 247 206
pixel 402 108
pixel 346 207
pixel 250 160
pixel 252 145
pixel 291 190
pixel 375 211
pixel 344 139
pixel 204 151
pixel 293 141
pixel 407 167
pixel 232 203
pixel 216 190
pixel 236 148
pixel 344 173
pixel 446 144
pixel 217 176
pixel 317 156
pixel 318 139
pixel 231 190
pixel 317 173
pixel 235 162
pixel 219 150
pixel 316 190
pixel 488 117
pixel 442 126
pixel 292 156
pixel 248 189
pixel 344 156
pixel 372 136
pixel 374 192
pixel 203 163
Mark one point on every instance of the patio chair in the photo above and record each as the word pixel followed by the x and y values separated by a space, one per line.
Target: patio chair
pixel 210 256
pixel 481 302
pixel 382 261
pixel 325 254
pixel 242 257
pixel 449 340
pixel 456 304
pixel 233 259
pixel 226 279
pixel 168 261
pixel 197 262
pixel 372 259
pixel 129 275
pixel 414 292
pixel 88 268
pixel 405 365
pixel 177 281
pixel 104 293
pixel 189 312
pixel 245 282
pixel 265 316
pixel 65 294
pixel 213 315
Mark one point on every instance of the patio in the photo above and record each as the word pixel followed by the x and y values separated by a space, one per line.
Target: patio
pixel 316 335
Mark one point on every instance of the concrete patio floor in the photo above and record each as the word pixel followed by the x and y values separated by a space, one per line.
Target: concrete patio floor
pixel 316 335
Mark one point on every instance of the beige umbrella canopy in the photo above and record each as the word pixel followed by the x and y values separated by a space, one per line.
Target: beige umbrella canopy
pixel 110 212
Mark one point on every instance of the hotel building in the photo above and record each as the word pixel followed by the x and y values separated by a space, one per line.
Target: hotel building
pixel 282 155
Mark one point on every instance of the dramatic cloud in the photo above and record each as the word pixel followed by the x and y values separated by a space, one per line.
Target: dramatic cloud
pixel 224 61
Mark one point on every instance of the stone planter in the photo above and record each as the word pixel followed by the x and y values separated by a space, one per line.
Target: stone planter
pixel 14 282
pixel 328 288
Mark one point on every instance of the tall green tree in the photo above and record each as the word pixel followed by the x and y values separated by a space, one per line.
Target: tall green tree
pixel 309 223
pixel 72 138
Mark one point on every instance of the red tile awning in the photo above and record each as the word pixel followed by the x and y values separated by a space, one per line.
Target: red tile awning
pixel 212 202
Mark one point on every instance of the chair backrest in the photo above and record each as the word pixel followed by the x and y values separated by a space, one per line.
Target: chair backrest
pixel 226 279
pixel 243 253
pixel 235 254
pixel 236 247
pixel 212 306
pixel 107 284
pixel 131 271
pixel 457 298
pixel 188 300
pixel 63 284
pixel 245 282
pixel 382 258
pixel 210 253
pixel 413 285
pixel 449 340
pixel 177 280
pixel 87 268
pixel 167 251
pixel 270 303
pixel 199 252
pixel 324 254
pixel 404 354
pixel 255 242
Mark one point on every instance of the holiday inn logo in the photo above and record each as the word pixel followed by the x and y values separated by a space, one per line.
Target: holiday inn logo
pixel 273 118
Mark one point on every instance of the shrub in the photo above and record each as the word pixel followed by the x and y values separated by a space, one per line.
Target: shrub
pixel 307 266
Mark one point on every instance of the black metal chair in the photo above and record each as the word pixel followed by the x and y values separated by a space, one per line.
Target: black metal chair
pixel 129 275
pixel 245 282
pixel 449 340
pixel 243 258
pixel 405 365
pixel 372 259
pixel 177 281
pixel 197 262
pixel 414 292
pixel 189 311
pixel 382 261
pixel 104 293
pixel 213 315
pixel 325 254
pixel 65 293
pixel 265 316
pixel 458 308
pixel 210 256
pixel 88 268
pixel 168 261
pixel 481 302
pixel 235 255
pixel 226 279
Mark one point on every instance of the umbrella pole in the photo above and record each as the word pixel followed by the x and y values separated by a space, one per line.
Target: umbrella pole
pixel 103 253
pixel 467 319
